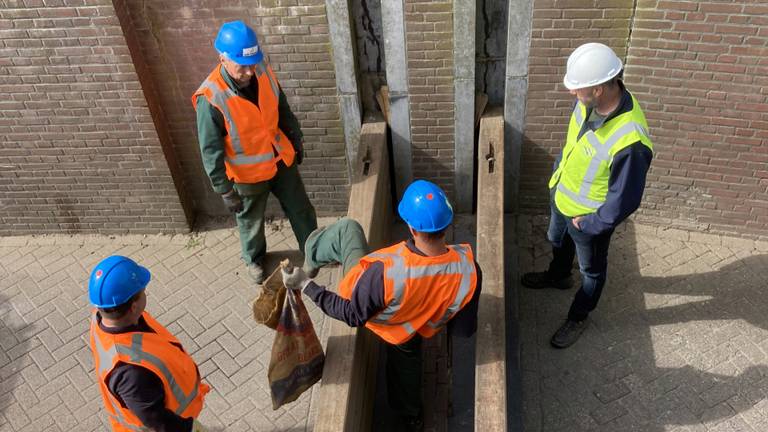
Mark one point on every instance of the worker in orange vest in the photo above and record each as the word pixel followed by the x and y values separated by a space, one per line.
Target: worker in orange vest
pixel 146 378
pixel 251 142
pixel 402 293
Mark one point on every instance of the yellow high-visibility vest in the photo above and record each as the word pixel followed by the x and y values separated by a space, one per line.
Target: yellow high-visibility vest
pixel 582 176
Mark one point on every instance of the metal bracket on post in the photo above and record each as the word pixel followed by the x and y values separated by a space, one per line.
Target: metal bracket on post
pixel 489 157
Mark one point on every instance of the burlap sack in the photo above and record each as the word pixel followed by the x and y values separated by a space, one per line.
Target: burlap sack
pixel 297 356
pixel 269 304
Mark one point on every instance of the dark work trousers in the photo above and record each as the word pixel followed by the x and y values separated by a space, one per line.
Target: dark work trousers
pixel 592 252
pixel 404 364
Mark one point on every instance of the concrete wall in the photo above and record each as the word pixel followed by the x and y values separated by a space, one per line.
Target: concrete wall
pixel 369 39
pixel 491 49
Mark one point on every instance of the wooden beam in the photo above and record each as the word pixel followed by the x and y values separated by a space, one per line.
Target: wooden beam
pixel 382 97
pixel 481 100
pixel 490 369
pixel 346 394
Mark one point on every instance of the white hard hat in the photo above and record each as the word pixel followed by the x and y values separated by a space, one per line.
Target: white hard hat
pixel 589 65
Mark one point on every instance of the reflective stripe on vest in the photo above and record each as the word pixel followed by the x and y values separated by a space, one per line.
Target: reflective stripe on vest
pixel 260 69
pixel 135 352
pixel 602 154
pixel 220 97
pixel 399 274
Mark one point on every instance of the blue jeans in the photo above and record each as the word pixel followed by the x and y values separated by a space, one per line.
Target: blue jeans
pixel 592 252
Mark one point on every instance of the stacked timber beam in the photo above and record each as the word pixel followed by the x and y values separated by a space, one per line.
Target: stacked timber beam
pixel 347 391
pixel 490 371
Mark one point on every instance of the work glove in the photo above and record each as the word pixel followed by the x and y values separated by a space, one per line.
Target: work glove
pixel 298 146
pixel 233 201
pixel 295 278
pixel 198 427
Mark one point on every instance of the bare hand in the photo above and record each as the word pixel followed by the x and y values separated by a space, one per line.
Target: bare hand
pixel 575 221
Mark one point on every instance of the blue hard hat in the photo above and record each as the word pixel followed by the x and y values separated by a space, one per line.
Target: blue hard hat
pixel 425 208
pixel 238 43
pixel 115 280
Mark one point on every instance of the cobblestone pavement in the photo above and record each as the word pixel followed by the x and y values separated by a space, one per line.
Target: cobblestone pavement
pixel 199 290
pixel 677 343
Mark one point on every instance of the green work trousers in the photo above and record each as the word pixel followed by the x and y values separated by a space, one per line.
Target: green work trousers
pixel 344 242
pixel 287 186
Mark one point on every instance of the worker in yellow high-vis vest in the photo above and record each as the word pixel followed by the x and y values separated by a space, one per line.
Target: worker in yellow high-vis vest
pixel 598 180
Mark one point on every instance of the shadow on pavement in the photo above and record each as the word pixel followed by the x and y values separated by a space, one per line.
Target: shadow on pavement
pixel 661 352
pixel 15 337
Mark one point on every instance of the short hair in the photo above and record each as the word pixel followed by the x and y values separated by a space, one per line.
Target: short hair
pixel 120 311
pixel 615 80
pixel 433 235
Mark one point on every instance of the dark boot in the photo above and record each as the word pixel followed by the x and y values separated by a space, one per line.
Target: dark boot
pixel 414 424
pixel 256 271
pixel 568 333
pixel 539 280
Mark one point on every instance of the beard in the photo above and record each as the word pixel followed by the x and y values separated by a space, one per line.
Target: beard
pixel 244 83
pixel 590 103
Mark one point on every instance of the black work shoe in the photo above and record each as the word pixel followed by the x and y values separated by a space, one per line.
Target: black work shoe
pixel 539 280
pixel 568 333
pixel 256 271
pixel 414 424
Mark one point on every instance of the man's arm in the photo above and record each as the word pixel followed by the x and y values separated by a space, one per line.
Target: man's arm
pixel 142 393
pixel 210 135
pixel 464 323
pixel 367 298
pixel 625 190
pixel 288 123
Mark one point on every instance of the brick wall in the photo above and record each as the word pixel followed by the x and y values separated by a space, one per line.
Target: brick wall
pixel 558 27
pixel 429 42
pixel 80 152
pixel 701 70
pixel 177 42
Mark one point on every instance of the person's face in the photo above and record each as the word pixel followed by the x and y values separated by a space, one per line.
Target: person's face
pixel 241 74
pixel 588 96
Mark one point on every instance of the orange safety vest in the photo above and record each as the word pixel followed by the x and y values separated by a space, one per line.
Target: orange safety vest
pixel 421 293
pixel 252 132
pixel 159 352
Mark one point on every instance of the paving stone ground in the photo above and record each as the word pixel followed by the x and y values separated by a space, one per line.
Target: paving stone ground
pixel 678 342
pixel 198 290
